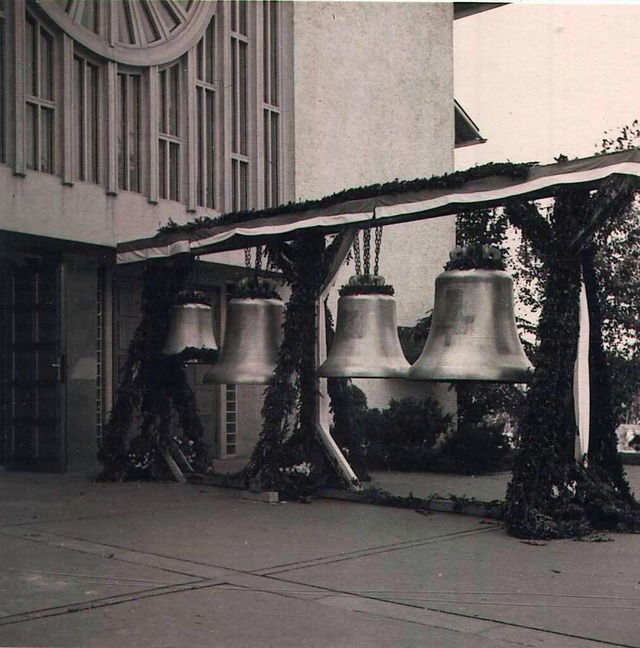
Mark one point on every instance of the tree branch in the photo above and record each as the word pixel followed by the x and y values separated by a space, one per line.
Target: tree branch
pixel 612 200
pixel 527 218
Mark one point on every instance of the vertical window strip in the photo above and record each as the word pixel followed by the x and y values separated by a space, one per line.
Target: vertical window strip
pixel 129 131
pixel 39 90
pixel 3 94
pixel 92 123
pixel 86 98
pixel 231 406
pixel 271 113
pixel 99 355
pixel 271 180
pixel 231 421
pixel 207 126
pixel 205 99
pixel 239 106
pixel 270 53
pixel 169 141
pixel 239 94
pixel 78 132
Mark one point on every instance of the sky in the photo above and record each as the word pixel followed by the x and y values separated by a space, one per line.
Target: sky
pixel 542 80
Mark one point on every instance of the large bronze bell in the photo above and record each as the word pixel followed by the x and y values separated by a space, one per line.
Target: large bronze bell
pixel 473 333
pixel 253 333
pixel 366 343
pixel 190 327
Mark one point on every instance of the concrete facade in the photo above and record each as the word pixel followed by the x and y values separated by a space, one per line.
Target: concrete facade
pixel 337 95
pixel 373 86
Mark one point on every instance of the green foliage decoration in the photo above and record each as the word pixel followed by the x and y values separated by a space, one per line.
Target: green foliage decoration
pixel 256 288
pixel 370 289
pixel 288 436
pixel 551 495
pixel 446 181
pixel 152 388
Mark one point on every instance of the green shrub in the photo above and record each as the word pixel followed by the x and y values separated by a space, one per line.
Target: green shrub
pixel 413 435
pixel 478 449
pixel 403 436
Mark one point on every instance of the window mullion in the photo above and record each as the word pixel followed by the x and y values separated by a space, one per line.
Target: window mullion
pixel 192 140
pixel 67 114
pixel 17 13
pixel 153 166
pixel 112 128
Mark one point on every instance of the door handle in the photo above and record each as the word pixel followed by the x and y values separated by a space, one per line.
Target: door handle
pixel 60 366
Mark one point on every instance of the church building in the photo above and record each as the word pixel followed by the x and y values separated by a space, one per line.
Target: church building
pixel 120 116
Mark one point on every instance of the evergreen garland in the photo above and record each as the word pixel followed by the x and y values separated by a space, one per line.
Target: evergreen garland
pixel 153 387
pixel 550 494
pixel 289 412
pixel 446 181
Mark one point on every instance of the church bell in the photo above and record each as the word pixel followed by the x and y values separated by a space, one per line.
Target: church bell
pixel 473 333
pixel 253 333
pixel 190 327
pixel 366 343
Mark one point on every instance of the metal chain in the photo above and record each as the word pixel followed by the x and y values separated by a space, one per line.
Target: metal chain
pixel 247 257
pixel 378 242
pixel 356 253
pixel 259 251
pixel 366 244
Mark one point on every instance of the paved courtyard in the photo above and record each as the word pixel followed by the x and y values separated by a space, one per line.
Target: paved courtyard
pixel 163 564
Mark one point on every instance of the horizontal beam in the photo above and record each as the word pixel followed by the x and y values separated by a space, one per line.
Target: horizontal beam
pixel 383 210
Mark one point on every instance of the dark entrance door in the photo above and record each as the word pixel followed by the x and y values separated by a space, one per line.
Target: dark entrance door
pixel 32 365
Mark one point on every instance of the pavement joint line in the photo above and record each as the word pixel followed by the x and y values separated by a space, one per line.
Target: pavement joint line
pixel 307 589
pixel 371 551
pixel 473 617
pixel 101 516
pixel 96 548
pixel 107 601
pixel 238 575
pixel 123 554
pixel 523 605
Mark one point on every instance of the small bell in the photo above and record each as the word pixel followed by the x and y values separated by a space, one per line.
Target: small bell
pixel 190 325
pixel 253 333
pixel 366 343
pixel 473 333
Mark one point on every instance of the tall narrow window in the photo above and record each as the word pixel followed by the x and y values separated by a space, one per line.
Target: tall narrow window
pixel 40 99
pixel 99 354
pixel 3 93
pixel 271 110
pixel 86 100
pixel 231 422
pixel 169 168
pixel 129 131
pixel 239 104
pixel 206 118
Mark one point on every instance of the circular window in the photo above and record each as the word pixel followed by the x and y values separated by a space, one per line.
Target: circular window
pixel 135 32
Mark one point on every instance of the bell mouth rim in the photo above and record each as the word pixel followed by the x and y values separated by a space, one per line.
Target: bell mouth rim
pixel 520 379
pixel 398 374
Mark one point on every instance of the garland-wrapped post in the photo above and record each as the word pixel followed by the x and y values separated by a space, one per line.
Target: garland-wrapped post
pixel 289 411
pixel 153 385
pixel 550 494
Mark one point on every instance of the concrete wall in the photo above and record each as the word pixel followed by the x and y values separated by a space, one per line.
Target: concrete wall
pixel 373 89
pixel 40 204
